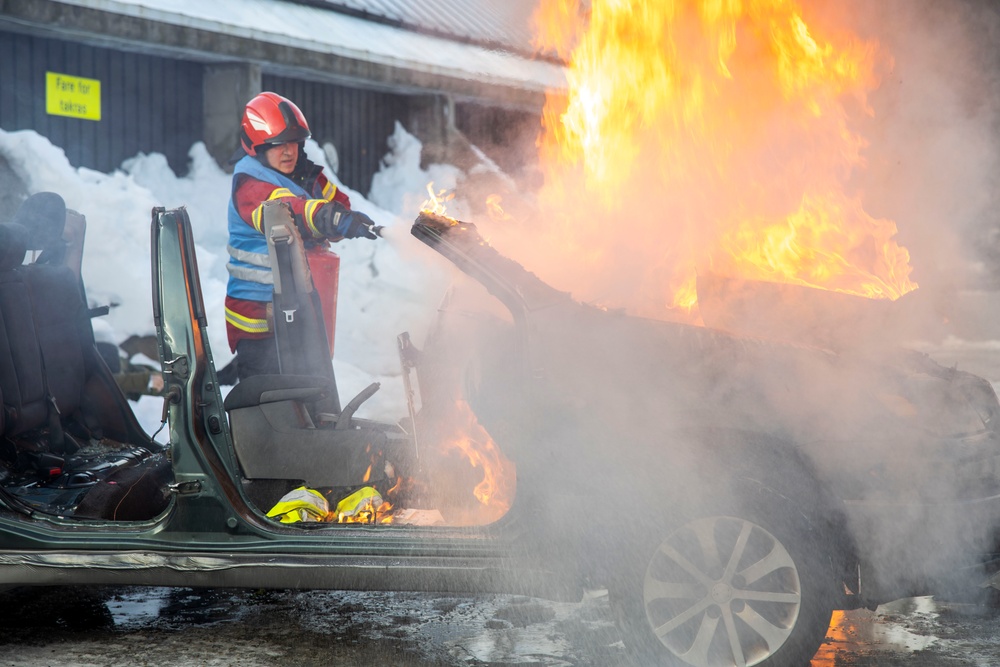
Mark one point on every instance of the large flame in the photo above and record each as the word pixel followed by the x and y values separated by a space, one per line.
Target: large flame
pixel 437 201
pixel 495 491
pixel 465 474
pixel 708 136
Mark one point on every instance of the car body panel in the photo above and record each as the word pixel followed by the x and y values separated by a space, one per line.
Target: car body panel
pixel 617 425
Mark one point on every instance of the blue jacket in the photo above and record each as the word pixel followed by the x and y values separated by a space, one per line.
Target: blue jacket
pixel 249 266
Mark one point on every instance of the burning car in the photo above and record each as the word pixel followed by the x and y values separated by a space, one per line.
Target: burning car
pixel 729 491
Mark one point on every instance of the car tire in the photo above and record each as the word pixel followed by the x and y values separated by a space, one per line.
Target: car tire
pixel 724 590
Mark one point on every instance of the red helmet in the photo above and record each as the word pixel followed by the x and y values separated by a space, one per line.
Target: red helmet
pixel 270 118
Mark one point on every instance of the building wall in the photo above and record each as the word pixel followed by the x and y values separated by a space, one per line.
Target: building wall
pixel 148 103
pixel 153 103
pixel 357 122
pixel 507 136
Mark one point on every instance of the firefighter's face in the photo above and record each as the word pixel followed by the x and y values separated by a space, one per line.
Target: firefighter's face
pixel 282 157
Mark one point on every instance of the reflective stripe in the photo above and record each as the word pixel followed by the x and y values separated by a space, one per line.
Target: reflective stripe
pixel 278 193
pixel 257 218
pixel 248 324
pixel 261 259
pixel 365 499
pixel 250 274
pixel 329 191
pixel 309 211
pixel 247 279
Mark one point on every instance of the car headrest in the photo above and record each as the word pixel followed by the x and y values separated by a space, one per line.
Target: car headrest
pixel 43 214
pixel 13 245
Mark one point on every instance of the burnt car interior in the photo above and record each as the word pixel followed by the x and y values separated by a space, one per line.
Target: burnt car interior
pixel 71 445
pixel 73 448
pixel 735 492
pixel 290 430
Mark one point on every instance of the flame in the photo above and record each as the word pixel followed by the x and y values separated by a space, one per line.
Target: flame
pixel 436 203
pixel 711 135
pixel 825 243
pixel 382 514
pixel 478 447
pixel 479 456
pixel 494 493
pixel 494 209
pixel 367 513
pixel 838 635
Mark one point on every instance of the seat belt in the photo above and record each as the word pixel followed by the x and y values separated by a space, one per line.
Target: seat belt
pixel 286 305
pixel 57 437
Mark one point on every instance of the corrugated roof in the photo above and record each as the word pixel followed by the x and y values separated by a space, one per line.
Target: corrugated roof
pixel 309 25
pixel 504 24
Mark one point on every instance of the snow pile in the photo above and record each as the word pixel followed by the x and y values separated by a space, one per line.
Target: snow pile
pixel 386 286
pixel 401 185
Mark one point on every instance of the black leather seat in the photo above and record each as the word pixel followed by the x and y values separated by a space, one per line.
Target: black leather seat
pixel 63 329
pixel 22 378
pixel 58 395
pixel 44 333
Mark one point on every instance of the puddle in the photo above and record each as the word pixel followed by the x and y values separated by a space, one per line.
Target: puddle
pixel 130 609
pixel 528 631
pixel 888 630
pixel 922 611
pixel 141 607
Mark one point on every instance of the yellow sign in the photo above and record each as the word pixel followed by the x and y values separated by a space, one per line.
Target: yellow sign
pixel 72 96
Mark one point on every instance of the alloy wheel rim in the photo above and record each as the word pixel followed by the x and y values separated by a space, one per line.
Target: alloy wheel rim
pixel 722 592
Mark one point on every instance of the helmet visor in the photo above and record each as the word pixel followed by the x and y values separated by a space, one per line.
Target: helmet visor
pixel 294 129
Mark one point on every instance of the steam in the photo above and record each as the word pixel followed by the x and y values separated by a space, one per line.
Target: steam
pixel 682 143
pixel 921 151
pixel 912 147
pixel 921 154
pixel 934 153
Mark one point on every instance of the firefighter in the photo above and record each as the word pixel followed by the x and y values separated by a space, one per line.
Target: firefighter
pixel 272 165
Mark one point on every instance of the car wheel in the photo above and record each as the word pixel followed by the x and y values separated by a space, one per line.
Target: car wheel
pixel 724 591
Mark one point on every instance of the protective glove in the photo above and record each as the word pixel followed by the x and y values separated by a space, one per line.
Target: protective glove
pixel 359 225
pixel 333 219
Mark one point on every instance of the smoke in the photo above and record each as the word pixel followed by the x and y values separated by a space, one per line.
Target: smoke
pixel 915 151
pixel 934 139
pixel 931 165
pixel 665 148
pixel 910 146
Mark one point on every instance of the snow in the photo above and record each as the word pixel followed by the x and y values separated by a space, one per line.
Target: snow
pixel 387 286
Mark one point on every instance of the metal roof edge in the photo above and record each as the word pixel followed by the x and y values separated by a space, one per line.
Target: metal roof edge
pixel 402 58
pixel 493 45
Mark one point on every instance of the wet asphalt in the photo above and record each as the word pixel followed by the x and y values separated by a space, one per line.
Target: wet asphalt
pixel 81 627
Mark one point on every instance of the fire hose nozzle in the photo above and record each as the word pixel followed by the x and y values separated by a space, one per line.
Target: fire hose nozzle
pixel 374 229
